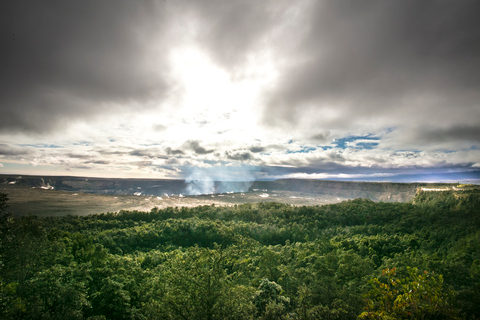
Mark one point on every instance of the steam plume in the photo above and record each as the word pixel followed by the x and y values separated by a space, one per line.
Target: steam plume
pixel 219 179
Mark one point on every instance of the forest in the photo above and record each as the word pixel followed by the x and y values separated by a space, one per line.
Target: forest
pixel 357 259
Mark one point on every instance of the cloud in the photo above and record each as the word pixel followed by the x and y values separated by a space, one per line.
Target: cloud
pixel 171 151
pixel 321 137
pixel 159 127
pixel 97 162
pixel 239 156
pixel 441 137
pixel 73 60
pixel 195 146
pixel 465 133
pixel 256 149
pixel 366 66
pixel 147 153
pixel 9 150
pixel 232 30
pixel 78 156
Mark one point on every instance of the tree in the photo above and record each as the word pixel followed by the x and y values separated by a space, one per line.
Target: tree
pixel 112 300
pixel 11 306
pixel 268 300
pixel 196 285
pixel 5 227
pixel 58 293
pixel 416 296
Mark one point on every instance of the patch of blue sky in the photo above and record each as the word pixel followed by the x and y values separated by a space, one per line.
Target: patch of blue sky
pixel 350 142
pixel 389 129
pixel 42 145
pixel 366 145
pixel 407 151
pixel 303 150
pixel 82 143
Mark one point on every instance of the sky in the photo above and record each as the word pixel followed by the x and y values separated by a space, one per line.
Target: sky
pixel 241 89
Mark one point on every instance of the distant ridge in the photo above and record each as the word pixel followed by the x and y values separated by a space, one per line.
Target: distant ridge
pixel 376 191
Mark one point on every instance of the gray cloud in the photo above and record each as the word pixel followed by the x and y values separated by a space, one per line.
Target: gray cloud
pixel 98 162
pixel 78 156
pixel 141 153
pixel 159 127
pixel 322 137
pixel 9 150
pixel 239 156
pixel 143 164
pixel 172 161
pixel 152 153
pixel 455 136
pixel 382 63
pixel 256 149
pixel 469 134
pixel 63 59
pixel 195 146
pixel 171 151
pixel 230 30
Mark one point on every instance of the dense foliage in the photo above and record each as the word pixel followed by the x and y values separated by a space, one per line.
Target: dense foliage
pixel 354 259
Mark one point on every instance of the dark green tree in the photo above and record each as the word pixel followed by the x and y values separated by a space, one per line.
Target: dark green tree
pixel 269 301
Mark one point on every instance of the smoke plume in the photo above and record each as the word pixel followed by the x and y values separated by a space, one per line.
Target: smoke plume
pixel 199 182
pixel 219 180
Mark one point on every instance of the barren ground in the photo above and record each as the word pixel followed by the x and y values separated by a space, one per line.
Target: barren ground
pixel 40 202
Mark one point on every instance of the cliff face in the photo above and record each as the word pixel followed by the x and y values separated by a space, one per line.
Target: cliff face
pixel 99 185
pixel 376 191
pixel 154 187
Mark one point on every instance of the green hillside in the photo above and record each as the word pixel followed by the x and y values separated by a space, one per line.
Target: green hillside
pixel 357 258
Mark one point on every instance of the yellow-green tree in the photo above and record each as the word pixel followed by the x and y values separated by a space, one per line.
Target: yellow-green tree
pixel 415 296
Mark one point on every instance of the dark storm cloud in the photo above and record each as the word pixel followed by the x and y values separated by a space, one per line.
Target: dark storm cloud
pixel 64 60
pixel 383 59
pixel 469 134
pixel 69 60
pixel 256 149
pixel 195 146
pixel 230 30
pixel 239 156
pixel 9 150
